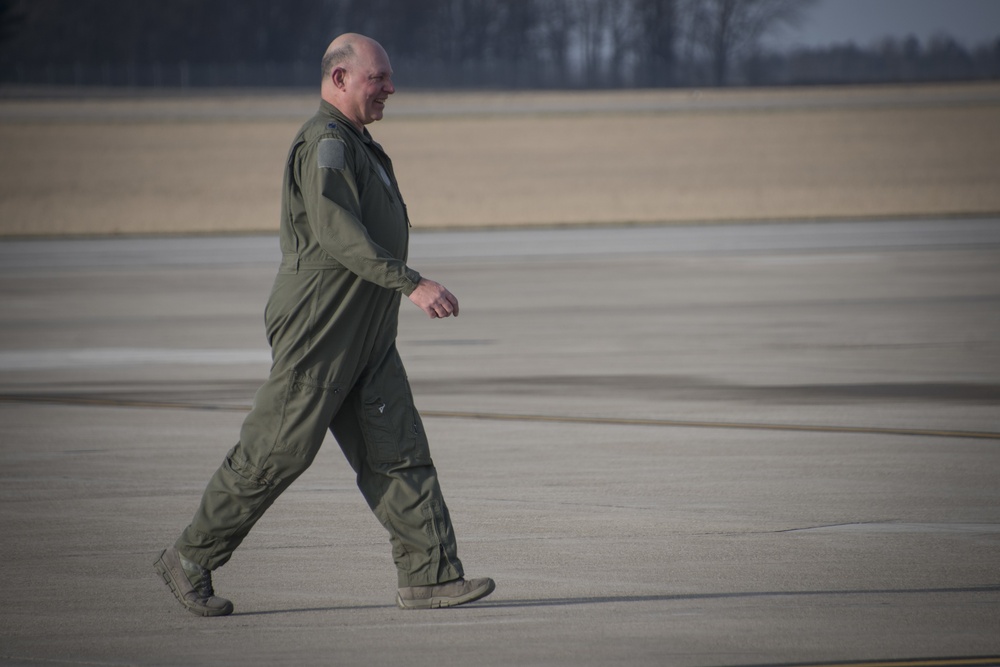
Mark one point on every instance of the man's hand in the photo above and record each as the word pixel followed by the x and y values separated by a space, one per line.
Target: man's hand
pixel 434 299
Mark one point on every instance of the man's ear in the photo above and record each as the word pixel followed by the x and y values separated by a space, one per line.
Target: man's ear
pixel 339 76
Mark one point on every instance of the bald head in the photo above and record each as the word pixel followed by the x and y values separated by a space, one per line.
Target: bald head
pixel 357 77
pixel 346 49
pixel 340 52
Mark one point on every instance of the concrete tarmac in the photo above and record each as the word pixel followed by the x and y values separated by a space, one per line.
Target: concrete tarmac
pixel 718 445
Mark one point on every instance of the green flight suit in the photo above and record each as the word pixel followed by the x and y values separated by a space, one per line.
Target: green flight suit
pixel 331 322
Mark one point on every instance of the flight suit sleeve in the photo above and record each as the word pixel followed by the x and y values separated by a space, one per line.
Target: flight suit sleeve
pixel 330 192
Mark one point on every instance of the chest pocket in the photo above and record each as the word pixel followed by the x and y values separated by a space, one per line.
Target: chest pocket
pixel 374 170
pixel 380 170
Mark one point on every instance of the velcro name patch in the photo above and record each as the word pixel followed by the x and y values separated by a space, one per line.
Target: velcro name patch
pixel 331 154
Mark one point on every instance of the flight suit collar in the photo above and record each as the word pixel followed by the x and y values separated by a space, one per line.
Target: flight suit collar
pixel 330 110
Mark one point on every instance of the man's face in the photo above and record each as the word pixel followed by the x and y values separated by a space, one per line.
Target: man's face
pixel 367 85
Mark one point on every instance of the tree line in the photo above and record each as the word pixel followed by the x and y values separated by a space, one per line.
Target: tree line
pixel 451 43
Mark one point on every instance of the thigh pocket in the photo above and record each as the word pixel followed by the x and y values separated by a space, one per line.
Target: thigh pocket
pixel 307 409
pixel 391 426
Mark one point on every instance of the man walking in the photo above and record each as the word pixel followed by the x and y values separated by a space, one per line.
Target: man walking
pixel 331 323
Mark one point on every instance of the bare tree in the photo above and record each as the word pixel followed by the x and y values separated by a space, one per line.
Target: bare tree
pixel 558 21
pixel 621 36
pixel 511 43
pixel 400 26
pixel 656 30
pixel 727 28
pixel 11 18
pixel 592 16
pixel 514 42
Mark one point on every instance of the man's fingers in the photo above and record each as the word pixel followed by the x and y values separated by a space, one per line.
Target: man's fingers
pixel 445 307
pixel 450 304
pixel 435 299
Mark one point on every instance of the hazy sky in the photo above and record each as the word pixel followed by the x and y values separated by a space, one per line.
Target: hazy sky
pixel 971 22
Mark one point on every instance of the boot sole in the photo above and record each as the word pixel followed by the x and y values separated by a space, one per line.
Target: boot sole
pixel 161 567
pixel 442 602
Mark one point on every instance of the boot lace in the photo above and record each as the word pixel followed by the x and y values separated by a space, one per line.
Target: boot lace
pixel 204 585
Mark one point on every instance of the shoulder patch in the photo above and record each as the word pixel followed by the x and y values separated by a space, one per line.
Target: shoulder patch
pixel 331 154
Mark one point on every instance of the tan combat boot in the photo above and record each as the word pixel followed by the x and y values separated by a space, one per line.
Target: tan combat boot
pixel 448 594
pixel 191 584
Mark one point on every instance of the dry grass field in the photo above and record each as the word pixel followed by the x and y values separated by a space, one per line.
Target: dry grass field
pixel 205 164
